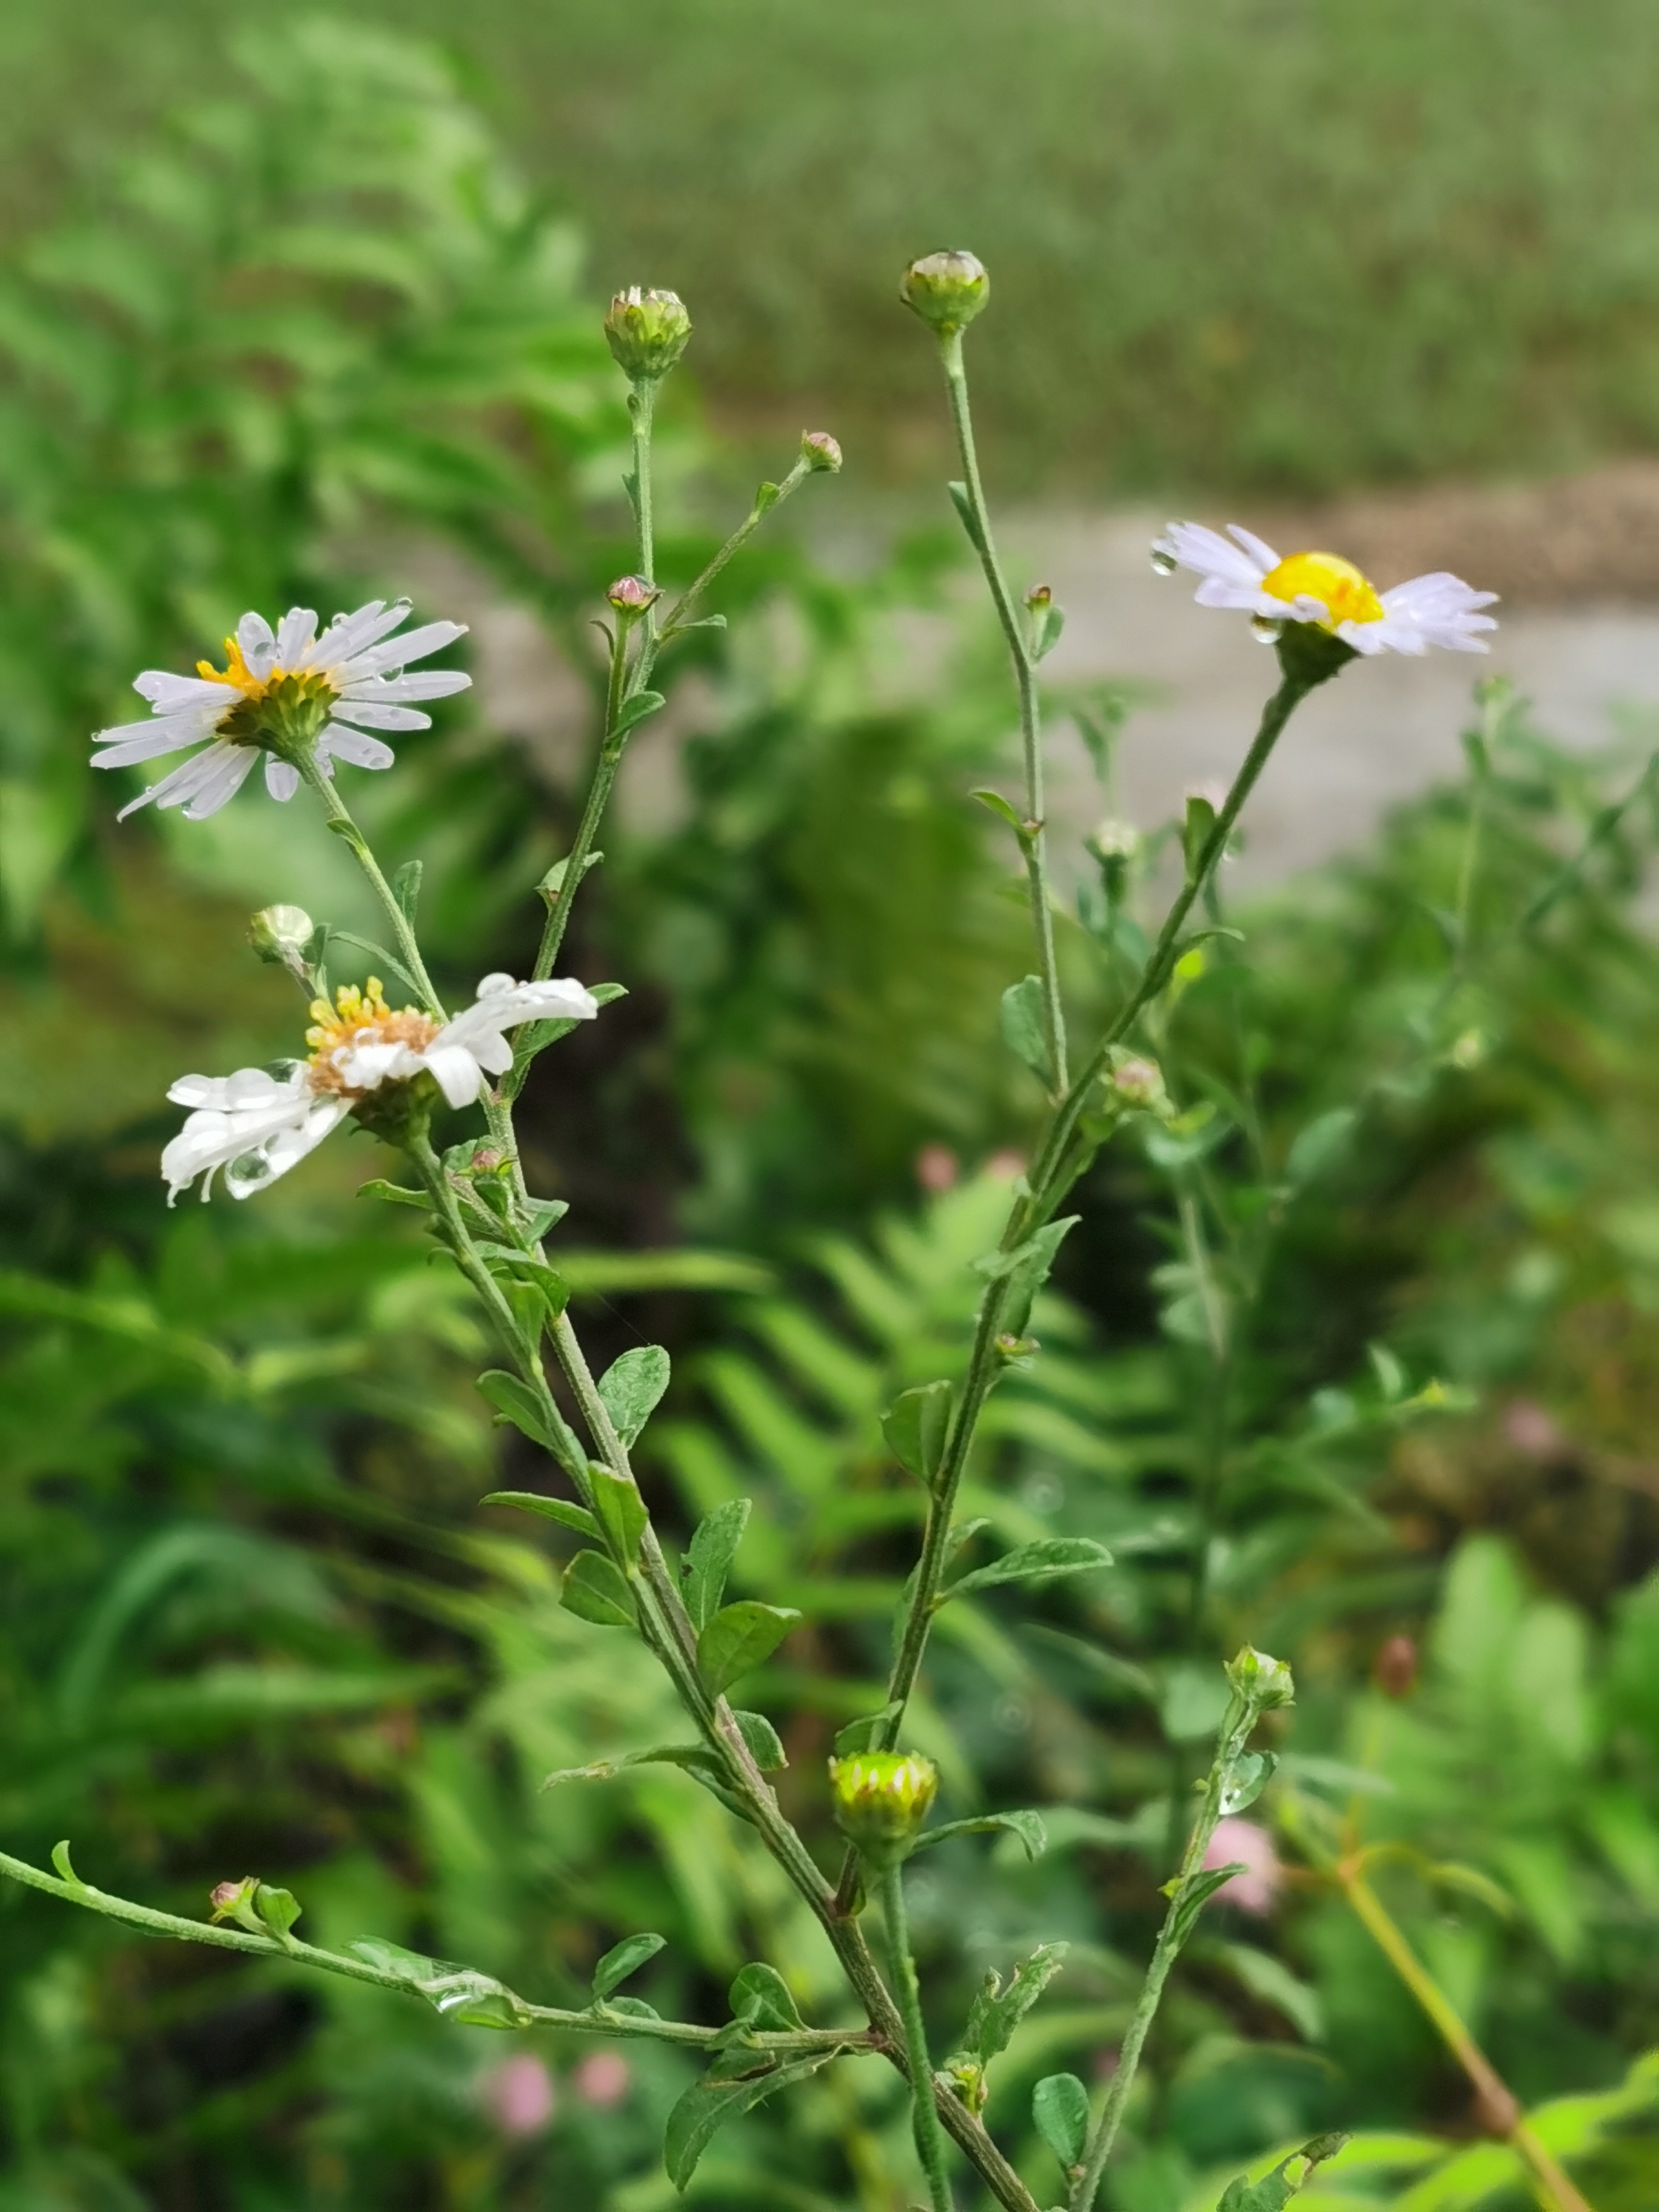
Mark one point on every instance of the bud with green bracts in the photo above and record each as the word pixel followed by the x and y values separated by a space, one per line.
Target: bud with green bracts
pixel 646 332
pixel 882 1799
pixel 947 289
pixel 1262 1682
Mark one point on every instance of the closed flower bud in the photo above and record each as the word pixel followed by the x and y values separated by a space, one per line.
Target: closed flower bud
pixel 632 595
pixel 947 289
pixel 647 332
pixel 882 1797
pixel 1138 1082
pixel 1040 595
pixel 1394 1668
pixel 280 933
pixel 820 450
pixel 1261 1682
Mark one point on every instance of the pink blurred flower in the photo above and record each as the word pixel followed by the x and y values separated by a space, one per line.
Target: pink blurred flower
pixel 1530 1430
pixel 936 1167
pixel 1005 1165
pixel 604 2078
pixel 1241 1843
pixel 519 2095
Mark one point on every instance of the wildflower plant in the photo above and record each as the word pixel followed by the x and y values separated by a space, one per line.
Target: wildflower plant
pixel 309 702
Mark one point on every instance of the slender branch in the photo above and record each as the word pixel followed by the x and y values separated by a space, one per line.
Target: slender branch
pixel 642 408
pixel 340 821
pixel 1033 838
pixel 925 2121
pixel 770 495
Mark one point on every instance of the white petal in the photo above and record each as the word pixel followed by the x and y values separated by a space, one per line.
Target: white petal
pixel 434 683
pixel 230 773
pixel 1257 547
pixel 214 1136
pixel 293 635
pixel 370 714
pixel 506 1003
pixel 366 1067
pixel 259 642
pixel 350 634
pixel 166 733
pixel 1215 592
pixel 282 777
pixel 249 1086
pixel 456 1070
pixel 353 745
pixel 286 1149
pixel 182 784
pixel 167 692
pixel 399 652
pixel 1190 545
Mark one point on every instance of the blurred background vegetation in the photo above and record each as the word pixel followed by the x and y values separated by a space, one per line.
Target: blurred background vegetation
pixel 305 309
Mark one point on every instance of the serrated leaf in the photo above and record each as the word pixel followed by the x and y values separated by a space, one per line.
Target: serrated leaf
pixel 627 1958
pixel 619 1509
pixel 708 1559
pixel 551 1509
pixel 916 1425
pixel 632 1387
pixel 738 1637
pixel 594 1588
pixel 1059 2110
pixel 394 1193
pixel 761 2000
pixel 708 2106
pixel 515 1402
pixel 1028 1826
pixel 997 2011
pixel 1024 1029
pixel 765 1746
pixel 1045 1560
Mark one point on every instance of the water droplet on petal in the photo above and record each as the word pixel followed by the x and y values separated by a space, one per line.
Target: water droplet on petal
pixel 1266 630
pixel 1164 561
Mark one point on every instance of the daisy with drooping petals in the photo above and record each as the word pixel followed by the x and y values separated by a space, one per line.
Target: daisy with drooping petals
pixel 256 1126
pixel 1323 589
pixel 286 693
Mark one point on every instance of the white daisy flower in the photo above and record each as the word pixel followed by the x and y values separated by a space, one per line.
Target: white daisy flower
pixel 281 691
pixel 256 1126
pixel 1324 589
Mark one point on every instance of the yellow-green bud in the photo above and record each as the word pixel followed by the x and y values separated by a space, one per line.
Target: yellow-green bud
pixel 947 289
pixel 1263 1682
pixel 279 936
pixel 820 450
pixel 882 1797
pixel 647 332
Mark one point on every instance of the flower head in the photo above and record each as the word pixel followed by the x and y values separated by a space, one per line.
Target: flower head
pixel 647 332
pixel 820 452
pixel 632 595
pixel 947 289
pixel 284 692
pixel 1326 591
pixel 257 1126
pixel 882 1797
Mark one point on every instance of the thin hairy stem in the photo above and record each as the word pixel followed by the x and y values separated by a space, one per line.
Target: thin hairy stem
pixel 924 2113
pixel 1033 839
pixel 641 409
pixel 770 495
pixel 340 821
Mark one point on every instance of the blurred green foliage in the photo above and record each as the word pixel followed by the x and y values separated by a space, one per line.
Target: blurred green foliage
pixel 253 1619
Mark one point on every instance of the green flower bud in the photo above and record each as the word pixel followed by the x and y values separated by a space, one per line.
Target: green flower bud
pixel 1262 1682
pixel 647 332
pixel 820 452
pixel 882 1797
pixel 1138 1082
pixel 279 936
pixel 947 289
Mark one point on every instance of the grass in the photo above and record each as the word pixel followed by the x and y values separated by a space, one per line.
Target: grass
pixel 1289 244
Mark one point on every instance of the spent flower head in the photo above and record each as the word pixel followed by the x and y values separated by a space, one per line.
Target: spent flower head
pixel 947 289
pixel 1263 1682
pixel 821 452
pixel 882 1797
pixel 288 694
pixel 648 332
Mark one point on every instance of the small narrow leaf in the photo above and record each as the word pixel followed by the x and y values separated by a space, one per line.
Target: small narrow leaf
pixel 1318 1146
pixel 1059 2107
pixel 594 1590
pixel 552 883
pixel 738 1637
pixel 278 1908
pixel 965 514
pixel 708 1560
pixel 1252 1771
pixel 619 1509
pixel 634 711
pixel 1024 1029
pixel 515 1402
pixel 386 958
pixel 1028 1826
pixel 1195 833
pixel 708 2106
pixel 394 1192
pixel 694 1756
pixel 541 1214
pixel 406 889
pixel 1045 1560
pixel 1004 810
pixel 632 1388
pixel 765 1746
pixel 627 1957
pixel 761 1999
pixel 551 1509
pixel 60 1859
pixel 916 1425
pixel 1196 1895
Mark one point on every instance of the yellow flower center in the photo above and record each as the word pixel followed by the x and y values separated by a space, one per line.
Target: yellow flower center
pixel 1344 592
pixel 289 704
pixel 360 1017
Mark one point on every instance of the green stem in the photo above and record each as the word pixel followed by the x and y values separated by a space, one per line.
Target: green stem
pixel 340 821
pixel 642 408
pixel 770 495
pixel 924 2112
pixel 1033 838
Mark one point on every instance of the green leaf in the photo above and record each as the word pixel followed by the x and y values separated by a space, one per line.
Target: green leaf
pixel 474 2000
pixel 738 1637
pixel 762 2000
pixel 1045 1560
pixel 515 1402
pixel 1047 624
pixel 1026 1268
pixel 1028 1826
pixel 541 1214
pixel 635 710
pixel 627 1957
pixel 406 889
pixel 916 1425
pixel 278 1908
pixel 1060 2108
pixel 60 1859
pixel 1251 1773
pixel 632 1387
pixel 765 1746
pixel 551 1508
pixel 393 1193
pixel 1269 1978
pixel 860 1734
pixel 1287 2178
pixel 1317 1146
pixel 708 2106
pixel 1024 1029
pixel 1005 812
pixel 1197 1893
pixel 595 1589
pixel 552 883
pixel 708 1559
pixel 690 1756
pixel 998 2011
pixel 1196 832
pixel 412 1966
pixel 619 1509
pixel 965 514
